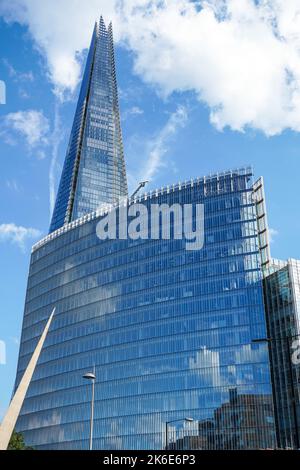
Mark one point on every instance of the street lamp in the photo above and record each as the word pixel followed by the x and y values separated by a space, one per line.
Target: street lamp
pixel 188 420
pixel 287 340
pixel 92 377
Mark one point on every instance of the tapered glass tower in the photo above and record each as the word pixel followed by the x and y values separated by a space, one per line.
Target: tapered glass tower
pixel 94 170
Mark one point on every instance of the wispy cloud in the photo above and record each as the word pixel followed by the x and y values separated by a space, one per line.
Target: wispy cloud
pixel 133 111
pixel 17 75
pixel 148 154
pixel 272 234
pixel 23 79
pixel 55 139
pixel 31 125
pixel 17 234
pixel 15 340
pixel 34 128
pixel 159 146
pixel 132 93
pixel 24 94
pixel 13 185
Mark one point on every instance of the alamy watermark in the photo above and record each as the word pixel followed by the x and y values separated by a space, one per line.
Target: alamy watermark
pixel 156 221
pixel 296 354
pixel 2 92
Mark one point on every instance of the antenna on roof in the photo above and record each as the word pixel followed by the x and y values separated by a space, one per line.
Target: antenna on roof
pixel 141 185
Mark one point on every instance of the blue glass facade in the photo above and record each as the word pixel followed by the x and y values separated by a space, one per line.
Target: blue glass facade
pixel 169 330
pixel 282 302
pixel 94 169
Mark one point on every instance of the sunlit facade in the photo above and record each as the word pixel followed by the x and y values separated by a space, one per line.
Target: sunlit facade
pixel 94 170
pixel 282 300
pixel 169 331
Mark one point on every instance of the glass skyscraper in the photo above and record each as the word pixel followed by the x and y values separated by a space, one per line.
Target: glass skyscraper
pixel 94 170
pixel 282 300
pixel 169 331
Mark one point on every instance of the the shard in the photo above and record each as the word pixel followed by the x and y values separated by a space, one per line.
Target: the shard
pixel 94 170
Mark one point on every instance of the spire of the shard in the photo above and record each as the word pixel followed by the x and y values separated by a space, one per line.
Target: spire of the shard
pixel 94 171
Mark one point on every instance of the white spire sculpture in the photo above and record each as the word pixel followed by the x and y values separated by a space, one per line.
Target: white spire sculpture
pixel 9 421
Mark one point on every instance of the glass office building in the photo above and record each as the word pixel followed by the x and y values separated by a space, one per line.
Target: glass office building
pixel 169 331
pixel 282 300
pixel 94 170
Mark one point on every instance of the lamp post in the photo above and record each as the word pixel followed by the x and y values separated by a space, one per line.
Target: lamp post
pixel 92 377
pixel 286 339
pixel 188 420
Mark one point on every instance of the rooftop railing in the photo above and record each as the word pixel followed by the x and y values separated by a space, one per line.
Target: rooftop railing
pixel 142 197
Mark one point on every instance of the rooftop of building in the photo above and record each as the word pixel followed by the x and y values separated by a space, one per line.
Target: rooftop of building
pixel 243 171
pixel 276 265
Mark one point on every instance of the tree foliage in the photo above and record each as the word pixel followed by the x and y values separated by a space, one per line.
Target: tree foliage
pixel 17 442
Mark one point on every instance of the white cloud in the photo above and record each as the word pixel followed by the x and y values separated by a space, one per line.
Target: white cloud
pixel 40 154
pixel 133 111
pixel 16 75
pixel 241 57
pixel 15 340
pixel 32 125
pixel 272 234
pixel 61 30
pixel 17 234
pixel 22 78
pixel 13 185
pixel 23 94
pixel 158 146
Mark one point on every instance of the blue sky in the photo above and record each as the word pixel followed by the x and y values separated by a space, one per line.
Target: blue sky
pixel 176 124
